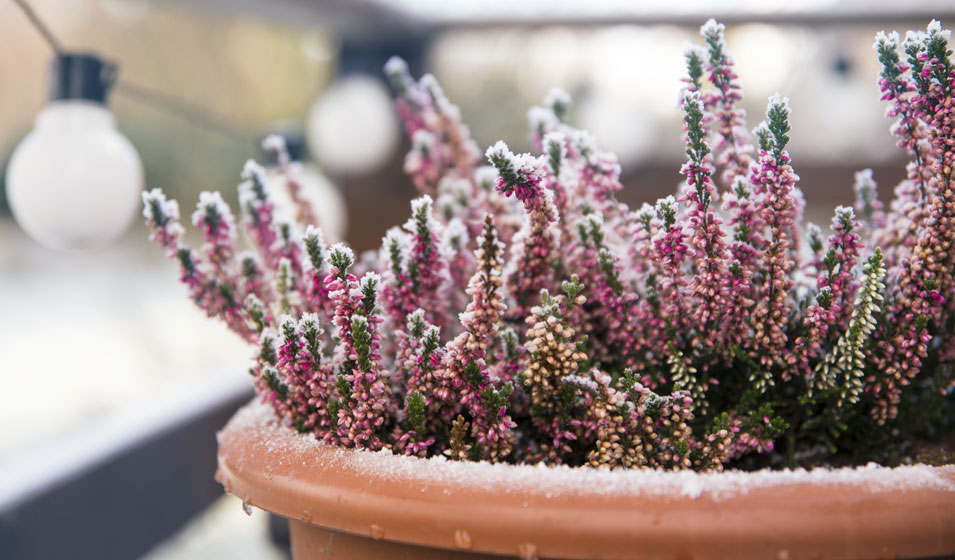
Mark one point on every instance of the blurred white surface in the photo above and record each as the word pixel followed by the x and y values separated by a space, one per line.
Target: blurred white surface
pixel 83 336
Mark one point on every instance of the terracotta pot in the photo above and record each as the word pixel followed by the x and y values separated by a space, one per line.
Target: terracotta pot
pixel 357 504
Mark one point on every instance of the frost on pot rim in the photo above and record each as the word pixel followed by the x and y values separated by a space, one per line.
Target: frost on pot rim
pixel 356 504
pixel 524 315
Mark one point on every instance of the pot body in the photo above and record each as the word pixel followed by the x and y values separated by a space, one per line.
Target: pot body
pixel 357 504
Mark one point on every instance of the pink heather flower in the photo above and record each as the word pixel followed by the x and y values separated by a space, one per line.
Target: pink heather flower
pixel 836 287
pixel 711 280
pixel 257 212
pixel 212 287
pixel 774 180
pixel 523 176
pixel 292 174
pixel 417 267
pixel 714 301
pixel 162 219
pixel 441 143
pixel 732 152
pixel 214 219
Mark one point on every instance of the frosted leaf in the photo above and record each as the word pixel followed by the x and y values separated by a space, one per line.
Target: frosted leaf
pixel 273 143
pixel 843 215
pixel 169 208
pixel 645 213
pixel 541 119
pixel 456 234
pixel 422 220
pixel 251 169
pixel 712 29
pixel 396 65
pixel 287 322
pixel 340 252
pixel 693 98
pixel 582 382
pixel 935 28
pixel 499 150
pixel 692 49
pixel 371 280
pixel 558 96
pixel 864 181
pixel 777 100
pixel 424 142
pixel 912 36
pixel 211 204
pixel 485 176
pixel 308 318
pixel 890 39
pixel 441 101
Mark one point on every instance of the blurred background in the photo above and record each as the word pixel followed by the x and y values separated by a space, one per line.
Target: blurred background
pixel 100 342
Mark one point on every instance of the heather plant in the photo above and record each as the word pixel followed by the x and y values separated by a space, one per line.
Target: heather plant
pixel 523 314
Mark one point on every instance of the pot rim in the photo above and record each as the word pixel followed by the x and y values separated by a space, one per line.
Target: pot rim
pixel 567 512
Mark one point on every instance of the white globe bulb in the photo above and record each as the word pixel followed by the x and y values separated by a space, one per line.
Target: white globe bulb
pixel 352 127
pixel 73 182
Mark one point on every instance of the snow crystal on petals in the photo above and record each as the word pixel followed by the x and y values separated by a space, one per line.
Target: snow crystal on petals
pixel 285 446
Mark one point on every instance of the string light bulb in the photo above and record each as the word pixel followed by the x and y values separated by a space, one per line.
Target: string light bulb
pixel 352 128
pixel 73 182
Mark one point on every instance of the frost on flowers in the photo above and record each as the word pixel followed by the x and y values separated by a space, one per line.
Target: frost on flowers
pixel 523 314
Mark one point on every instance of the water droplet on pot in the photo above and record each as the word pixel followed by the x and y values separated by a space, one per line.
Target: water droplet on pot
pixel 247 508
pixel 307 516
pixel 377 532
pixel 783 554
pixel 462 539
pixel 528 551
